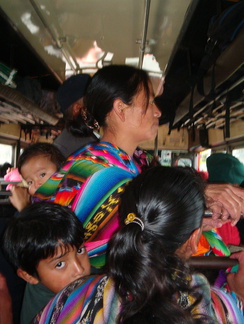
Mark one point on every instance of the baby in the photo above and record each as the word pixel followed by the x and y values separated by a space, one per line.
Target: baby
pixel 35 165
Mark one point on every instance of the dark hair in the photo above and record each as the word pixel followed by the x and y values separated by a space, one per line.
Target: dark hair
pixel 110 83
pixel 79 126
pixel 4 168
pixel 36 233
pixel 143 264
pixel 41 149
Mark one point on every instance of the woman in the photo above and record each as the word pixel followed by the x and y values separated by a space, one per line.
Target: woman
pixel 149 281
pixel 121 100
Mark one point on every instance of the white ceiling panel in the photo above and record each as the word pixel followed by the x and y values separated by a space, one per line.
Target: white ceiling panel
pixel 71 35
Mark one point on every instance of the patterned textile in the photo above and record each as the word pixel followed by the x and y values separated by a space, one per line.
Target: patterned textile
pixel 93 300
pixel 211 241
pixel 216 242
pixel 230 234
pixel 227 307
pixel 203 247
pixel 226 301
pixel 91 183
pixel 204 307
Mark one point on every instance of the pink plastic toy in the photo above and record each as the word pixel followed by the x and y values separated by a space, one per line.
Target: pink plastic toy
pixel 12 176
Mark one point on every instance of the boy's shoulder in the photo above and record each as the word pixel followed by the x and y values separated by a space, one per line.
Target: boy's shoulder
pixel 35 298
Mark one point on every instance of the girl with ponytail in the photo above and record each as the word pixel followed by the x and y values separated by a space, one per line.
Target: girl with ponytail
pixel 148 278
pixel 160 224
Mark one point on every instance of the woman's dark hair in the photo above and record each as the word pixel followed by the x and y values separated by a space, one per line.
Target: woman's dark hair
pixel 147 273
pixel 110 83
pixel 36 233
pixel 36 149
pixel 79 126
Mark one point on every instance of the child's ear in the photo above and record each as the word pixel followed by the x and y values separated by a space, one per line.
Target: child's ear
pixel 27 277
pixel 190 246
pixel 194 240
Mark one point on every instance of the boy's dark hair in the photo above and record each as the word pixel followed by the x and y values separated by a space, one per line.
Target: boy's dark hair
pixel 36 233
pixel 36 149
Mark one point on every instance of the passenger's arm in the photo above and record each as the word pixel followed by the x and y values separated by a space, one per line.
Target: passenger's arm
pixel 20 197
pixel 6 315
pixel 226 201
pixel 236 280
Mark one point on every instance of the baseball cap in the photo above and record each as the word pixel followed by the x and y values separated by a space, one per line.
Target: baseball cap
pixel 225 168
pixel 71 90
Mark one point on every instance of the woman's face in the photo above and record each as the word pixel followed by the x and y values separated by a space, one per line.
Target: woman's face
pixel 143 118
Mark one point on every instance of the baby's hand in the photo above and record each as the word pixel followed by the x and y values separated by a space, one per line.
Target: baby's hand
pixel 20 197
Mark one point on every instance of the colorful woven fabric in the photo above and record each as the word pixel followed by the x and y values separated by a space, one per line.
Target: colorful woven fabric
pixel 203 247
pixel 229 234
pixel 97 252
pixel 228 309
pixel 91 300
pixel 211 241
pixel 91 183
pixel 217 244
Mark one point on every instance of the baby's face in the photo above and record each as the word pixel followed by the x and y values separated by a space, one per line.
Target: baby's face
pixel 36 171
pixel 63 268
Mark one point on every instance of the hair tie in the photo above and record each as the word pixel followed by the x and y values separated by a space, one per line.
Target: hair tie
pixel 88 119
pixel 131 218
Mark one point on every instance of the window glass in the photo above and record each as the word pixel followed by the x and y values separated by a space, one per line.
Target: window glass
pixel 165 158
pixel 202 160
pixel 6 153
pixel 239 154
pixel 185 162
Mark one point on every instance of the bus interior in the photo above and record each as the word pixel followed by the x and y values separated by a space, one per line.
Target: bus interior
pixel 44 42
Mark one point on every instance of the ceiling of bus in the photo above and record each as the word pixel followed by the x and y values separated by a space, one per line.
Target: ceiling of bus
pixel 72 36
pixel 48 40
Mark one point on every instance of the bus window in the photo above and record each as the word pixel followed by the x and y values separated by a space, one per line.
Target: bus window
pixel 165 158
pixel 239 154
pixel 184 159
pixel 6 153
pixel 202 157
pixel 183 162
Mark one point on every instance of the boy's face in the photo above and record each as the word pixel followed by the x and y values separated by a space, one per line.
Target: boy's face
pixel 63 268
pixel 37 170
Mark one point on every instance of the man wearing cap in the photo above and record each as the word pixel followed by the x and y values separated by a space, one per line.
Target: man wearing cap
pixel 226 168
pixel 70 101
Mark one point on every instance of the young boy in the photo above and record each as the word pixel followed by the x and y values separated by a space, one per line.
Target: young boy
pixel 45 244
pixel 35 165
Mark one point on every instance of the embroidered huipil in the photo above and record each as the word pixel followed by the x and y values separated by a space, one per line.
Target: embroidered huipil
pixel 91 182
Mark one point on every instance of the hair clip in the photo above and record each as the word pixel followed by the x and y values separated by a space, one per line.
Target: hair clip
pixel 131 218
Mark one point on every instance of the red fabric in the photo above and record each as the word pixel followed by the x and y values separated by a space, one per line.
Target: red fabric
pixel 204 175
pixel 229 234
